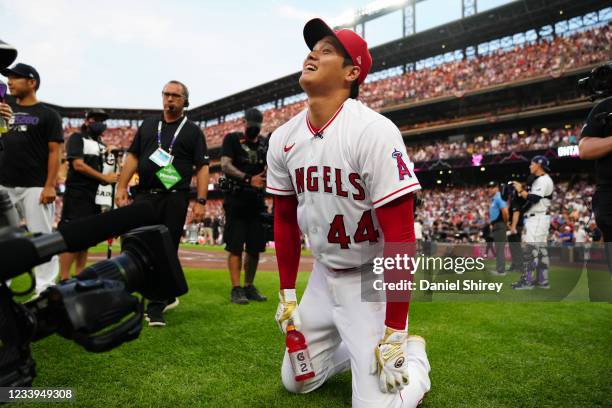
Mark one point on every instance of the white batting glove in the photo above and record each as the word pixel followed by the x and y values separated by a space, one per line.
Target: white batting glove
pixel 390 361
pixel 287 310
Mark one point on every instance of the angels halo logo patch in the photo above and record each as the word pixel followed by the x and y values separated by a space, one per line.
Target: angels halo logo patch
pixel 399 362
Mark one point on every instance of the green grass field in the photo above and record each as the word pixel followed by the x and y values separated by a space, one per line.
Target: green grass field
pixel 214 353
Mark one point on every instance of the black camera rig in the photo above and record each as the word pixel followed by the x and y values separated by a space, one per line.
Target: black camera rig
pixel 97 309
pixel 599 82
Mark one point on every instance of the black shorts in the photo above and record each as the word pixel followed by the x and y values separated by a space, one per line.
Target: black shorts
pixel 78 204
pixel 243 229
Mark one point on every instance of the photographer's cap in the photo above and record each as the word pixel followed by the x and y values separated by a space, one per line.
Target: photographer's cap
pixel 97 113
pixel 354 46
pixel 253 117
pixel 542 161
pixel 23 71
pixel 492 184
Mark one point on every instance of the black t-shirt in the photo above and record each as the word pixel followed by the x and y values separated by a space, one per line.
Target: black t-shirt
pixel 25 150
pixel 249 157
pixel 596 127
pixel 92 151
pixel 516 203
pixel 189 151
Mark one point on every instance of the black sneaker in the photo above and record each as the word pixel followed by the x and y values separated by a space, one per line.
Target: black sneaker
pixel 155 314
pixel 522 285
pixel 237 296
pixel 252 293
pixel 171 304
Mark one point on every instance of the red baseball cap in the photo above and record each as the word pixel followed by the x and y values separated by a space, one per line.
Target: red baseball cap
pixel 355 46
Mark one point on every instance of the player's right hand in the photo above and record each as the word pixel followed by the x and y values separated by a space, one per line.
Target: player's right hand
pixel 6 112
pixel 287 310
pixel 121 197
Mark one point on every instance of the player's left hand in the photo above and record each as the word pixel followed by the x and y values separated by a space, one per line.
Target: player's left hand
pixel 47 195
pixel 390 361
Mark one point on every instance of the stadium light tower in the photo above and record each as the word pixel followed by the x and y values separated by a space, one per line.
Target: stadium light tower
pixel 409 18
pixel 357 19
pixel 374 10
pixel 468 8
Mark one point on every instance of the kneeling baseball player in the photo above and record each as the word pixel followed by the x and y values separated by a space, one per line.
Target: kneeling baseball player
pixel 340 173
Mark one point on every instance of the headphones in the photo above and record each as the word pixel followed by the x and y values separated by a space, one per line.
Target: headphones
pixel 186 94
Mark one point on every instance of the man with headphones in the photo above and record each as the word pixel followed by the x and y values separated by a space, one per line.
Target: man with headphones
pixel 166 151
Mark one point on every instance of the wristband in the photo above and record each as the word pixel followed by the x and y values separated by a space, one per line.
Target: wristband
pixel 288 295
pixel 201 200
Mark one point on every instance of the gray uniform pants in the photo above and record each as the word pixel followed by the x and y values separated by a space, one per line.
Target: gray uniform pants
pixel 38 218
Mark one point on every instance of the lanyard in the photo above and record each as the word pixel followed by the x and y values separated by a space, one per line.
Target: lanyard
pixel 178 130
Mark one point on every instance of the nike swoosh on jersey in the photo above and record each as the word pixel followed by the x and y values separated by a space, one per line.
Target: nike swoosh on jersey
pixel 287 148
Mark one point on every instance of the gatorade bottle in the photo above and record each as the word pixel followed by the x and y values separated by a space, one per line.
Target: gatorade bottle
pixel 3 124
pixel 298 354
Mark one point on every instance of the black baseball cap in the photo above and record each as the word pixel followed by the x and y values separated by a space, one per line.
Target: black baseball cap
pixel 253 117
pixel 8 53
pixel 492 184
pixel 24 71
pixel 97 113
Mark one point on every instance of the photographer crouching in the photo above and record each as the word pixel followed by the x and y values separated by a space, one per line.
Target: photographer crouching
pixel 243 160
pixel 596 144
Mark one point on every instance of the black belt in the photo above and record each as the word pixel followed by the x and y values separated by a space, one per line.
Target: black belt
pixel 159 191
pixel 533 215
pixel 345 270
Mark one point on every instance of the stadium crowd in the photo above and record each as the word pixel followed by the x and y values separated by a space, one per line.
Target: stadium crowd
pixel 452 214
pixel 459 214
pixel 517 141
pixel 547 56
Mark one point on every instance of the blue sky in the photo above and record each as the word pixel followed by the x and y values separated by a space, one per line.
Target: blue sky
pixel 120 53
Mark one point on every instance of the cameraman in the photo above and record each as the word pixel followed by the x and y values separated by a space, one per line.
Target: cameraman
pixel 243 159
pixel 85 153
pixel 596 144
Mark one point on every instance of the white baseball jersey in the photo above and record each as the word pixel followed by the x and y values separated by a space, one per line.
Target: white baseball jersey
pixel 340 173
pixel 543 187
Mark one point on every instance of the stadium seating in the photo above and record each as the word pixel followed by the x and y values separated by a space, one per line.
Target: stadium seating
pixel 544 57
